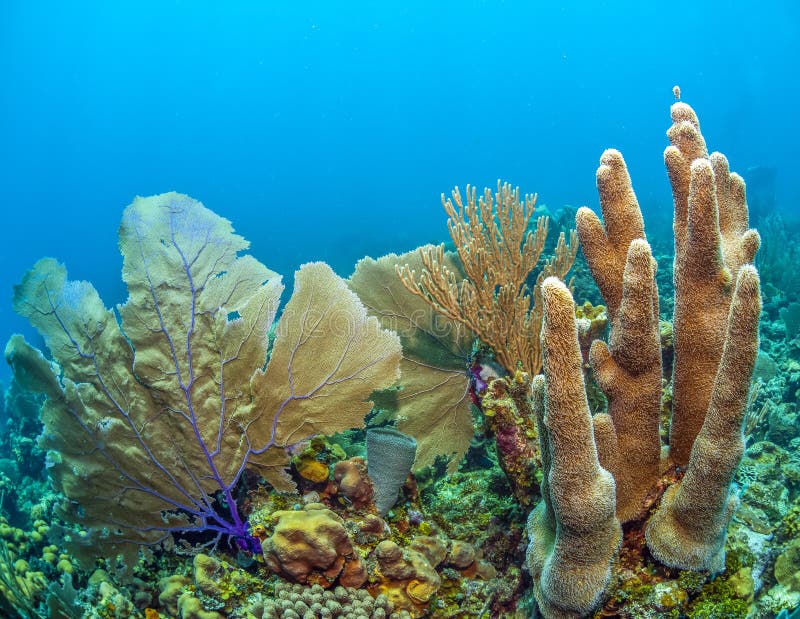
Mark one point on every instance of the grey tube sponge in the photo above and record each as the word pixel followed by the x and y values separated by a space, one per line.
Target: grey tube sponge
pixel 390 455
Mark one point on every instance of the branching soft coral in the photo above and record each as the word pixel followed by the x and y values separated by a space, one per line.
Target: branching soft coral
pixel 433 401
pixel 498 253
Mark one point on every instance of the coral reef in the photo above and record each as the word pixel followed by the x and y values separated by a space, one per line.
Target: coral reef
pixel 209 458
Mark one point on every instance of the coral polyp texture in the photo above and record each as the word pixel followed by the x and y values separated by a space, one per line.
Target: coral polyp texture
pixel 717 307
pixel 574 530
pixel 155 409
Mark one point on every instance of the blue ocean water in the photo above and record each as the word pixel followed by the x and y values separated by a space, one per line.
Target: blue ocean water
pixel 328 130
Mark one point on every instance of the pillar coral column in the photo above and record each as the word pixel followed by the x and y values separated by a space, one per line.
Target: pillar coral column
pixel 712 243
pixel 628 369
pixel 717 307
pixel 574 530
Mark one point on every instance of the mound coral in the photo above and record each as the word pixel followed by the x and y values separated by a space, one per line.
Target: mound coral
pixel 312 546
pixel 155 409
pixel 292 600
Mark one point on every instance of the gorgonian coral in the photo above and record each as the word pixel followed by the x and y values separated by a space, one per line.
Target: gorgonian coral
pixel 155 409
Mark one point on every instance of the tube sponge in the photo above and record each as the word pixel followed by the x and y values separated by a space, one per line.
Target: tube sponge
pixel 390 456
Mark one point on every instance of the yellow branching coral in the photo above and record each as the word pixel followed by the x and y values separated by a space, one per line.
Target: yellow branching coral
pixel 498 252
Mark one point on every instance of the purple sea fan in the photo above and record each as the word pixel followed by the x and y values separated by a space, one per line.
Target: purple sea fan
pixel 155 410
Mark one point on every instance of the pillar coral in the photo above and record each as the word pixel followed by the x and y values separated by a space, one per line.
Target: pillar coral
pixel 717 306
pixel 628 369
pixel 574 530
pixel 712 243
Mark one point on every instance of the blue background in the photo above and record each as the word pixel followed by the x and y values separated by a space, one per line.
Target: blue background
pixel 328 130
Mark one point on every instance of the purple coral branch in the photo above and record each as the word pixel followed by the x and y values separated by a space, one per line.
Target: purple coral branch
pixel 223 398
pixel 239 529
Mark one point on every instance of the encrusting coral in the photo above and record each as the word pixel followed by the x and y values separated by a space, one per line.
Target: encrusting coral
pixel 353 482
pixel 506 408
pixel 717 306
pixel 154 411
